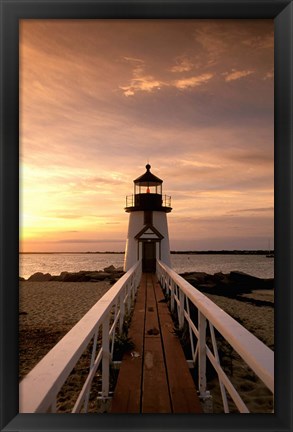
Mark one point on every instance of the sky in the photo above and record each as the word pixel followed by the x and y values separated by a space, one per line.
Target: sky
pixel 99 99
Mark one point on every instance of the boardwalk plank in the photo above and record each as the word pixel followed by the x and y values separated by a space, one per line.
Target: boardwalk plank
pixel 155 396
pixel 151 320
pixel 127 395
pixel 182 388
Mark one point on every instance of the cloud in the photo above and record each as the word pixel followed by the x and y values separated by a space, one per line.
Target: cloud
pixel 269 75
pixel 260 42
pixel 198 164
pixel 133 60
pixel 253 210
pixel 194 81
pixel 89 241
pixel 140 80
pixel 57 215
pixel 183 64
pixel 235 75
pixel 144 84
pixel 251 156
pixel 148 83
pixel 212 39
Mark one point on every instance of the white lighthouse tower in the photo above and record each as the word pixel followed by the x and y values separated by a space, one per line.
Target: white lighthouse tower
pixel 148 237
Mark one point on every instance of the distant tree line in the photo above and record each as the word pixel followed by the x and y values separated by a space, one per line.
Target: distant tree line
pixel 224 252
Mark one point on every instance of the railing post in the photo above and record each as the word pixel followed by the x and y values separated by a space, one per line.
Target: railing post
pixel 53 407
pixel 122 312
pixel 134 286
pixel 172 295
pixel 105 358
pixel 129 289
pixel 202 324
pixel 166 282
pixel 181 309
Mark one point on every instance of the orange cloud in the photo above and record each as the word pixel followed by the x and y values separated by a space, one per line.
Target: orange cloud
pixel 182 65
pixel 193 81
pixel 235 75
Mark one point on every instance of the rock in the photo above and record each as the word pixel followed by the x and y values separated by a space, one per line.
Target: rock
pixel 246 280
pixel 21 279
pixel 110 269
pixel 207 287
pixel 219 276
pixel 196 278
pixel 76 277
pixel 63 275
pixel 40 277
pixel 120 269
pixel 55 278
pixel 99 276
pixel 81 276
pixel 230 285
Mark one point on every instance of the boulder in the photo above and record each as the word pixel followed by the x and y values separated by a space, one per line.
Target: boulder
pixel 55 279
pixel 110 269
pixel 63 275
pixel 40 277
pixel 99 276
pixel 246 280
pixel 120 269
pixel 75 277
pixel 195 278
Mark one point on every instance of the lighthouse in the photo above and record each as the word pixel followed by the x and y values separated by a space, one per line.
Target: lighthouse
pixel 148 237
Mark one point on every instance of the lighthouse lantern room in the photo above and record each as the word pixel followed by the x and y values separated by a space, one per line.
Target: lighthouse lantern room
pixel 148 237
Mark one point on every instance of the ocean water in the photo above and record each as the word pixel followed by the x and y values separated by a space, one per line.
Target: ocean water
pixel 255 265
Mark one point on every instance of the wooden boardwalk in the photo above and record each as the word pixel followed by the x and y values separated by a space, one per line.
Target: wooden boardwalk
pixel 154 377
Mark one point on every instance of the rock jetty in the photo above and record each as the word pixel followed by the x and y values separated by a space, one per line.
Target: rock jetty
pixel 229 285
pixel 110 274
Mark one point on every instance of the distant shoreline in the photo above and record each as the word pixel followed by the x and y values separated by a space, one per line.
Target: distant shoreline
pixel 208 252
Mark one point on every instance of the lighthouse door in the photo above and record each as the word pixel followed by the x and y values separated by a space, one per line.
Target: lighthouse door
pixel 149 257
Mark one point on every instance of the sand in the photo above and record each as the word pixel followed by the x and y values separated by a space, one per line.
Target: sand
pixel 255 311
pixel 258 319
pixel 48 310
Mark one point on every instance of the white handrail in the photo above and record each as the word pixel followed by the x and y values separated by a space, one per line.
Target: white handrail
pixel 39 388
pixel 255 353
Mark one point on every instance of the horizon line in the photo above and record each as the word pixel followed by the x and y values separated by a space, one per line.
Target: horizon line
pixel 172 251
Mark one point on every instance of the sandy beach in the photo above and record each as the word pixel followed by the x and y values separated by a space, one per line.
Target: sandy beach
pixel 49 309
pixel 255 311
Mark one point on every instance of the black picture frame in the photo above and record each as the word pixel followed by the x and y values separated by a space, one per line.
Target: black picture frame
pixel 11 12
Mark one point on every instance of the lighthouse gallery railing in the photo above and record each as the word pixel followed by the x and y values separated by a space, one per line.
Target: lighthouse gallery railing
pixel 255 353
pixel 131 200
pixel 39 389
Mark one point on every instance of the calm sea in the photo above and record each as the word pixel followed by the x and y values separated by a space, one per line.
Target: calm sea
pixel 256 265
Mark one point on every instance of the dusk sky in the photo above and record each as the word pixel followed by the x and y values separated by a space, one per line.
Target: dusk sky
pixel 101 98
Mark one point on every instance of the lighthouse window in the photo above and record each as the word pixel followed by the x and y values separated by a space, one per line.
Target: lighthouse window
pixel 148 217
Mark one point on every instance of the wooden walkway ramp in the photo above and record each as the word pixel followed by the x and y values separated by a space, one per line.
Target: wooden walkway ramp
pixel 154 377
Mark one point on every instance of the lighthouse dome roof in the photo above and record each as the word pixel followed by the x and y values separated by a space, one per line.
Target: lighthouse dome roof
pixel 148 179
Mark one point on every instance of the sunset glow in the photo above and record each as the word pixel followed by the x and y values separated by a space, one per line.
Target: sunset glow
pixel 101 98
